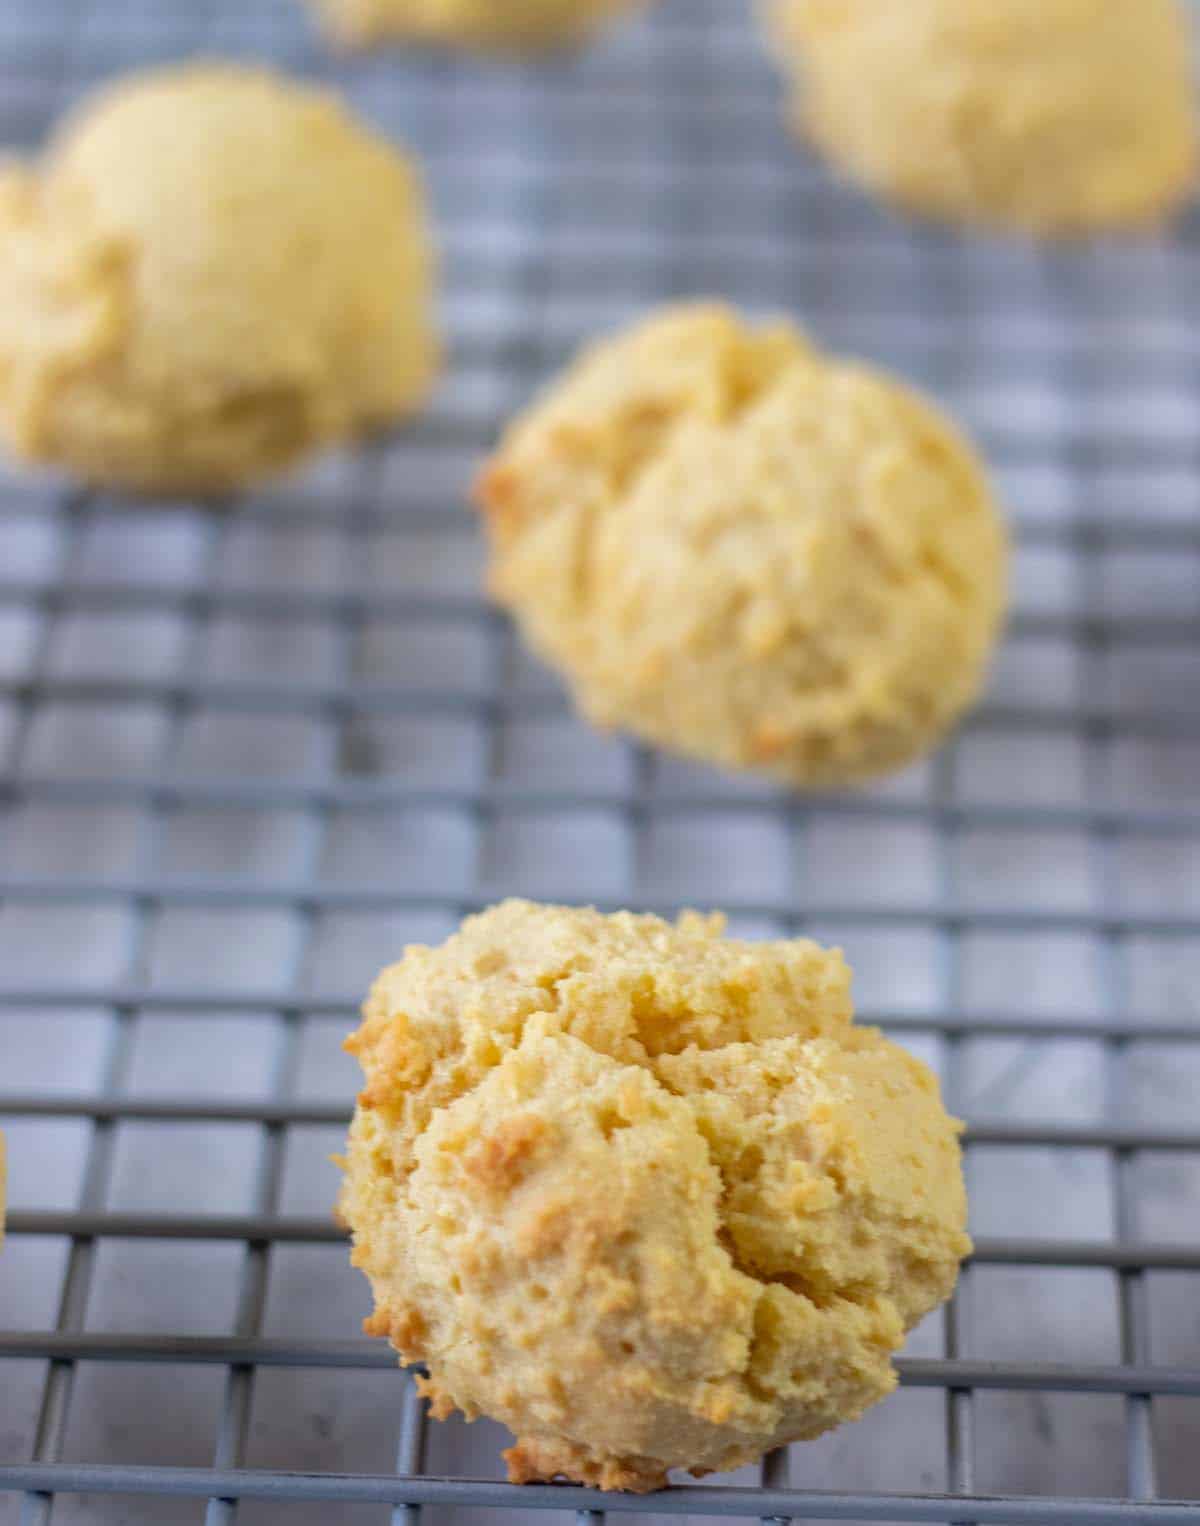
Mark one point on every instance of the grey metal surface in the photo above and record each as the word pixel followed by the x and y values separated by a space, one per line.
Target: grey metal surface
pixel 245 754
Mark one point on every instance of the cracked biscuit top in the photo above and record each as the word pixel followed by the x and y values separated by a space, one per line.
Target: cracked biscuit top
pixel 641 1191
pixel 747 551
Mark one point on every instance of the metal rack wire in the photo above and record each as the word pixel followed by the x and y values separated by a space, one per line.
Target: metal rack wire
pixel 248 752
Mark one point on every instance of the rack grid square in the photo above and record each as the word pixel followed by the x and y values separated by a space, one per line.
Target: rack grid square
pixel 247 752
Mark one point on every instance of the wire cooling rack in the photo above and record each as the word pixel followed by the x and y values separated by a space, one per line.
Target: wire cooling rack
pixel 245 754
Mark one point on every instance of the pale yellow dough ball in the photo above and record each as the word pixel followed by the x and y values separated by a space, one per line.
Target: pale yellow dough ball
pixel 211 272
pixel 641 1191
pixel 742 549
pixel 503 25
pixel 1051 116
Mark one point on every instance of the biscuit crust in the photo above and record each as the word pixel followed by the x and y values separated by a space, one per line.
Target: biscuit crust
pixel 746 551
pixel 642 1192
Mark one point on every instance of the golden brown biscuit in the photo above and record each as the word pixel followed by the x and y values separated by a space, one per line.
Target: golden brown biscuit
pixel 511 25
pixel 641 1191
pixel 747 551
pixel 212 272
pixel 1053 116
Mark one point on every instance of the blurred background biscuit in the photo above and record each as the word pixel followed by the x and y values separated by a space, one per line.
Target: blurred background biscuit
pixel 741 549
pixel 492 24
pixel 1052 116
pixel 213 271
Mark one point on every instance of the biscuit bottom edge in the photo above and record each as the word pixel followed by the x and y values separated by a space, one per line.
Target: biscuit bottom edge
pixel 535 1460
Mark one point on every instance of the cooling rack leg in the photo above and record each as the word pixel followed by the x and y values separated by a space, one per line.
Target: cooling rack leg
pixel 410 1452
pixel 776 1475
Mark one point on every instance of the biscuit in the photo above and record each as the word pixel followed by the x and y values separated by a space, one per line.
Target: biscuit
pixel 1047 116
pixel 749 552
pixel 515 25
pixel 211 272
pixel 641 1191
